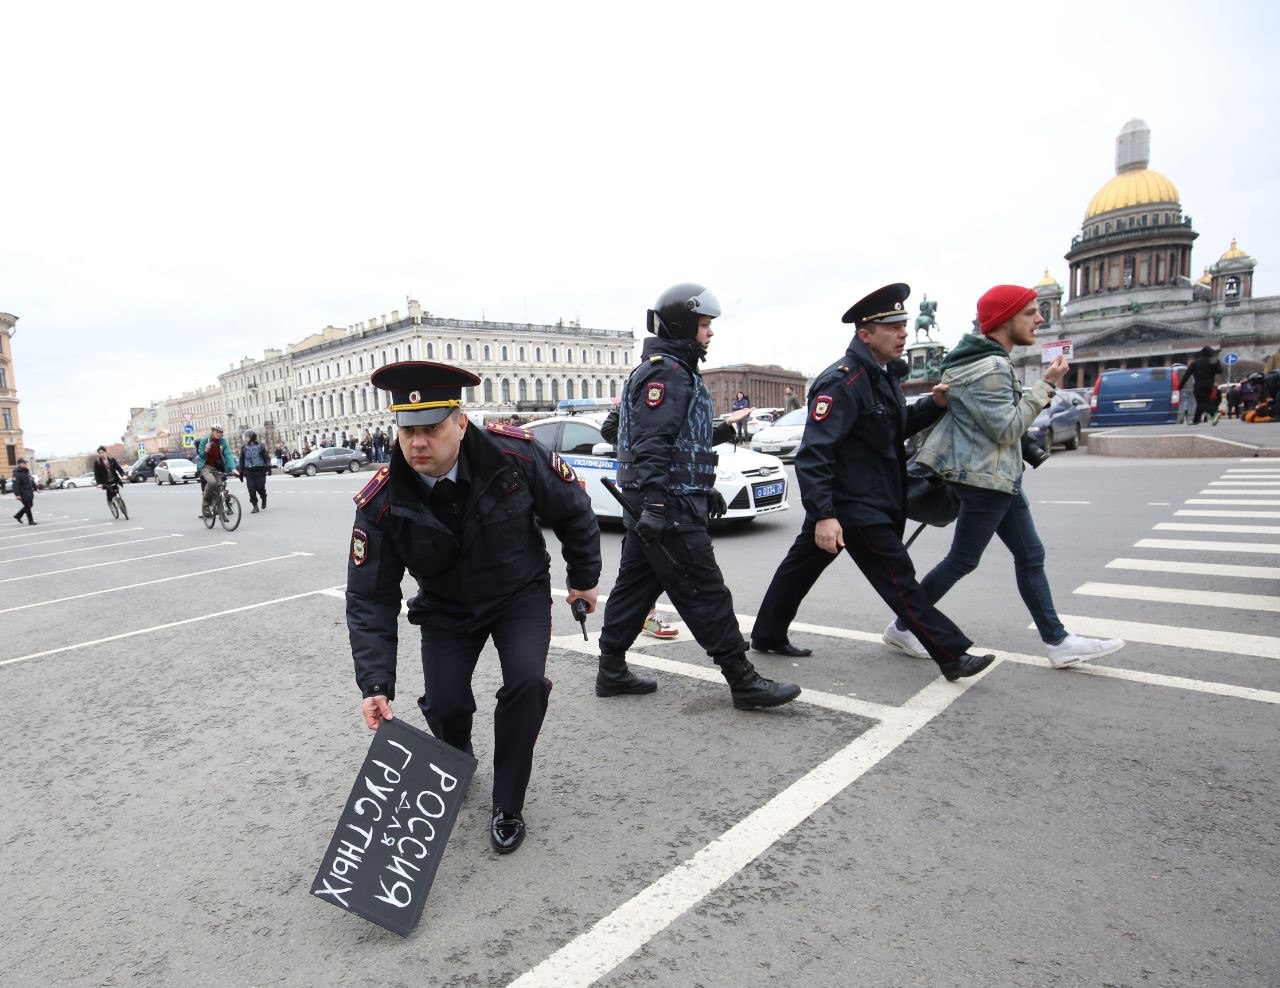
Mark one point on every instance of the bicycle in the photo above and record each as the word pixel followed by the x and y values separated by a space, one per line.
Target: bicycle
pixel 225 507
pixel 116 503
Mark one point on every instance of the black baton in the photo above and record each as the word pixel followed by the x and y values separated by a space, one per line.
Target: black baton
pixel 612 487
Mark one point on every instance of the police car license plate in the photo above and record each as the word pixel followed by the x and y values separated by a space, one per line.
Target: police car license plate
pixel 768 490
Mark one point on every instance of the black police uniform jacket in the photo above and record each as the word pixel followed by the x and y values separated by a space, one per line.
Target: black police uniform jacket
pixel 852 463
pixel 463 579
pixel 23 484
pixel 665 444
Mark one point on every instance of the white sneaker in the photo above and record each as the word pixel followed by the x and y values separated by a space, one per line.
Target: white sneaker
pixel 904 641
pixel 1077 648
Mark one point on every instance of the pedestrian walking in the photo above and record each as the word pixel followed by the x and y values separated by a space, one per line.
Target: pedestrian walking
pixel 254 466
pixel 24 489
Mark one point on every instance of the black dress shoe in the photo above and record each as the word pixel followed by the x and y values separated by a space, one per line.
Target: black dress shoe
pixel 967 665
pixel 782 648
pixel 506 832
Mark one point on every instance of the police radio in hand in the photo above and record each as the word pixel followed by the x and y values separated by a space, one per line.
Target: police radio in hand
pixel 579 608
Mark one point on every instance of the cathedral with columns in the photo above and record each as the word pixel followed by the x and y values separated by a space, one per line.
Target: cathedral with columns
pixel 1130 298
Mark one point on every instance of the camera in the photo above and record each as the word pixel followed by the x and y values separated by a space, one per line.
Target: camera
pixel 1033 453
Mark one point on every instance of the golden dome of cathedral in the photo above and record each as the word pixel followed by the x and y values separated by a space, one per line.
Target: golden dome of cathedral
pixel 1139 187
pixel 1233 252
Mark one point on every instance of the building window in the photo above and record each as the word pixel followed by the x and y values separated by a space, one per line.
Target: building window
pixel 467 351
pixel 568 388
pixel 4 379
pixel 1106 227
pixel 613 356
pixel 555 355
pixel 586 388
pixel 8 419
pixel 522 389
pixel 448 351
pixel 361 362
pixel 506 391
pixel 555 389
pixel 348 366
pixel 599 386
pixel 1128 272
pixel 522 353
pixel 487 352
pixel 537 354
pixel 395 355
pixel 1232 291
pixel 384 358
pixel 431 351
pixel 537 390
pixel 599 357
pixel 504 353
pixel 408 351
pixel 613 389
pixel 488 391
pixel 584 356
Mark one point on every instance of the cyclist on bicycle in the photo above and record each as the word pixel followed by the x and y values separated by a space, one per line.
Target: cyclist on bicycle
pixel 107 473
pixel 214 461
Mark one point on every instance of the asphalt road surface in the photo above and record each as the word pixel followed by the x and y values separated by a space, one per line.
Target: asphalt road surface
pixel 181 731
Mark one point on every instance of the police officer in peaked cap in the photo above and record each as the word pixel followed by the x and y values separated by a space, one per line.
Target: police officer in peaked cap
pixel 851 468
pixel 456 507
pixel 666 470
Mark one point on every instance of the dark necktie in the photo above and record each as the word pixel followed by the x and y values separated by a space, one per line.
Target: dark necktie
pixel 446 503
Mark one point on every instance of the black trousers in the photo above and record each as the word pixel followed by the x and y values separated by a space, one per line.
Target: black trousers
pixel 883 559
pixel 25 509
pixel 522 634
pixel 255 478
pixel 1206 407
pixel 693 581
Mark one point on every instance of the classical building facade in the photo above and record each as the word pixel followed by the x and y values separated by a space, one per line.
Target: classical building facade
pixel 257 395
pixel 1130 300
pixel 10 426
pixel 520 365
pixel 201 408
pixel 148 431
pixel 763 384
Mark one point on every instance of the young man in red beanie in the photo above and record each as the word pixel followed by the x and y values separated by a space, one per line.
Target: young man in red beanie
pixel 977 447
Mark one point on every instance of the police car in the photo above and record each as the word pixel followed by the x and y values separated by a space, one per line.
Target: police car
pixel 752 484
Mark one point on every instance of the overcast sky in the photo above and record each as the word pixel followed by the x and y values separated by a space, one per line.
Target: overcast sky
pixel 187 185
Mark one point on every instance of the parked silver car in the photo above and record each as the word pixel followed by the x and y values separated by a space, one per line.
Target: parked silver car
pixel 335 459
pixel 782 438
pixel 174 471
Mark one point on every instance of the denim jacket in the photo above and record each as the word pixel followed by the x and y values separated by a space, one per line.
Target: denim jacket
pixel 979 441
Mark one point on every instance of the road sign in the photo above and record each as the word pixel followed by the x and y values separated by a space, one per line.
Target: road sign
pixel 186 416
pixel 188 441
pixel 1230 358
pixel 188 429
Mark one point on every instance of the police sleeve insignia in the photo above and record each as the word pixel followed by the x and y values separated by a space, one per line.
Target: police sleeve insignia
pixel 654 393
pixel 376 483
pixel 563 469
pixel 359 546
pixel 821 407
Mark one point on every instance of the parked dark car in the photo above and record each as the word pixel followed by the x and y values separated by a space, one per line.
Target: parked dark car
pixel 1059 423
pixel 1136 396
pixel 335 459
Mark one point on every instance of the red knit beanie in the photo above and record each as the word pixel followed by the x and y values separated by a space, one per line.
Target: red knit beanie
pixel 1000 304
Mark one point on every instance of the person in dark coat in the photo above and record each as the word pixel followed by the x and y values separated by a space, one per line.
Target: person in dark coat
pixel 851 468
pixel 254 465
pixel 666 471
pixel 1203 371
pixel 458 507
pixel 24 489
pixel 107 472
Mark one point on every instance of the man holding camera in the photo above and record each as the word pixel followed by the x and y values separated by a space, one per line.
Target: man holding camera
pixel 979 449
pixel 852 471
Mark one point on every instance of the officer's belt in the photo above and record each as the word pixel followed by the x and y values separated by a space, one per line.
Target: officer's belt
pixel 685 466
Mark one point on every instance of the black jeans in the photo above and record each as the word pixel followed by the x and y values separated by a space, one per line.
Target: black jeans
pixel 26 508
pixel 255 478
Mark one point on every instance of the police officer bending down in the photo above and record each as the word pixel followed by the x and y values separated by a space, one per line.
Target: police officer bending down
pixel 455 506
pixel 666 469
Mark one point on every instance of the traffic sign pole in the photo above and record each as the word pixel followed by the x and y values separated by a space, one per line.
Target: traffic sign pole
pixel 1230 359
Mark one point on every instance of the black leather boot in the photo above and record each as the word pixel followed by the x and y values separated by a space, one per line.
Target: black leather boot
pixel 613 678
pixel 751 690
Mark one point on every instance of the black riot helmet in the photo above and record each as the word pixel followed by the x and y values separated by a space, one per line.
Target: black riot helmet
pixel 676 313
pixel 250 436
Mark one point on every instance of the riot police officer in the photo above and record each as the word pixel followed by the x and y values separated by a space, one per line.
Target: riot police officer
pixel 456 507
pixel 666 470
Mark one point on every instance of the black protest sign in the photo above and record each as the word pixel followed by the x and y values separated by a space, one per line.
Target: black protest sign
pixel 392 832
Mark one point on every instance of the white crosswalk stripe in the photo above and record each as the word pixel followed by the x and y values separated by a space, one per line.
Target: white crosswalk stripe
pixel 1211 500
pixel 1176 526
pixel 1191 545
pixel 1192 513
pixel 1198 569
pixel 1174 595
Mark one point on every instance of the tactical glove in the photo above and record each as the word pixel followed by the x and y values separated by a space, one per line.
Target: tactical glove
pixel 652 522
pixel 716 508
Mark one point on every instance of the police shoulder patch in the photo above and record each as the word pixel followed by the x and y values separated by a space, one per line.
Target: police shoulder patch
pixel 510 431
pixel 655 358
pixel 563 469
pixel 359 546
pixel 654 392
pixel 821 407
pixel 376 483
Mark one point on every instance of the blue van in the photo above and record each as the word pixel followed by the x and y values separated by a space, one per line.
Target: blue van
pixel 1136 396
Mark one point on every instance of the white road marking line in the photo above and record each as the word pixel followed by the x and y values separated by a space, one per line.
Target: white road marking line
pixel 1064 502
pixel 148 583
pixel 711 674
pixel 157 627
pixel 1158 504
pixel 92 548
pixel 114 562
pixel 1191 513
pixel 1177 595
pixel 1199 569
pixel 1193 546
pixel 1264 502
pixel 618 935
pixel 1254 481
pixel 1205 639
pixel 1234 472
pixel 72 538
pixel 1232 492
pixel 1150 678
pixel 57 530
pixel 1173 526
